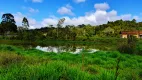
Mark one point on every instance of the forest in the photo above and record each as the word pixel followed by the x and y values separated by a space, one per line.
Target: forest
pixel 69 32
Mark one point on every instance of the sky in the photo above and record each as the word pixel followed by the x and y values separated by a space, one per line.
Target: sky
pixel 42 13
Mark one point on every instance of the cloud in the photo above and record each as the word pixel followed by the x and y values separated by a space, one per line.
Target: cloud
pixel 1 13
pixel 33 10
pixel 49 21
pixel 66 10
pixel 98 17
pixel 94 18
pixel 126 16
pixel 101 6
pixel 79 1
pixel 32 22
pixel 136 17
pixel 37 1
pixel 34 1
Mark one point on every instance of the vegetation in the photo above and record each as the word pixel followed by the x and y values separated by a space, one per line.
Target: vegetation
pixel 17 63
pixel 25 23
pixel 129 46
pixel 69 32
pixel 8 24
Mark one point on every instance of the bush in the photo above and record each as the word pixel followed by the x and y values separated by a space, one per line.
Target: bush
pixel 9 58
pixel 98 61
pixel 126 48
pixel 140 74
pixel 114 54
pixel 7 48
pixel 129 47
pixel 107 75
pixel 139 49
pixel 92 69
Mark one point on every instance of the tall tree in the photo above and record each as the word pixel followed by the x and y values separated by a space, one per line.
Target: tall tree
pixel 8 23
pixel 25 23
pixel 59 25
pixel 8 17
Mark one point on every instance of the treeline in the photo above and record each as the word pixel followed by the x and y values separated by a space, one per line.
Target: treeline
pixel 88 32
pixel 69 32
pixel 115 28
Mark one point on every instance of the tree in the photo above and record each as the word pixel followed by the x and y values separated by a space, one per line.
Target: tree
pixel 59 25
pixel 108 31
pixel 25 23
pixel 8 23
pixel 129 46
pixel 8 18
pixel 60 22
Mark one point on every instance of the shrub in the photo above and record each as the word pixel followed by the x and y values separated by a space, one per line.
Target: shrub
pixel 140 74
pixel 9 58
pixel 7 48
pixel 107 75
pixel 114 54
pixel 126 48
pixel 98 61
pixel 92 69
pixel 129 74
pixel 139 49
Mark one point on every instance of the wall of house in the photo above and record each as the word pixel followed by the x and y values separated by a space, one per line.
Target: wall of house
pixel 124 36
pixel 137 36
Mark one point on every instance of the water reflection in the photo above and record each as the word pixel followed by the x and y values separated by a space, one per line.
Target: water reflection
pixel 60 49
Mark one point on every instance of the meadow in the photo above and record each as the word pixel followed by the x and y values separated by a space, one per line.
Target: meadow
pixel 116 58
pixel 18 63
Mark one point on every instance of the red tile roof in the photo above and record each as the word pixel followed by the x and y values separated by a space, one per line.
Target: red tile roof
pixel 131 32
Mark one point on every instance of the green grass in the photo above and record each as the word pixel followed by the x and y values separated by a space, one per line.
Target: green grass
pixel 17 63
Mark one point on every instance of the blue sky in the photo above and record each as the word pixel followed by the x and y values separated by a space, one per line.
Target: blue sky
pixel 95 12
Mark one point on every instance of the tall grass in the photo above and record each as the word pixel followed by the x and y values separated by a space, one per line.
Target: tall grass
pixel 17 63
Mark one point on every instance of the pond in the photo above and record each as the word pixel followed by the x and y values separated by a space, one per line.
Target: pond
pixel 60 49
pixel 62 46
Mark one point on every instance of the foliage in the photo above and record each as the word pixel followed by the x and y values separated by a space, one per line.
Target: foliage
pixel 129 46
pixel 29 64
pixel 82 32
pixel 25 23
pixel 8 23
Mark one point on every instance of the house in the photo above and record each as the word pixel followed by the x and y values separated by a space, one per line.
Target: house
pixel 137 34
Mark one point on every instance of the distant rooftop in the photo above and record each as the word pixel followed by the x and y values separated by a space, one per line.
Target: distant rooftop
pixel 131 32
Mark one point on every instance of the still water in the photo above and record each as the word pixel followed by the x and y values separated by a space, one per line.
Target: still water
pixel 60 49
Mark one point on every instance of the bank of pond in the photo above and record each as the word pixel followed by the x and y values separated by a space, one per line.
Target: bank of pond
pixel 19 63
pixel 99 43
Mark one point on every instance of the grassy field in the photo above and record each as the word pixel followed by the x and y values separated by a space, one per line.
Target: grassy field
pixel 17 63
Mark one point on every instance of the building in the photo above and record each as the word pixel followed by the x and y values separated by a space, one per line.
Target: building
pixel 137 34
